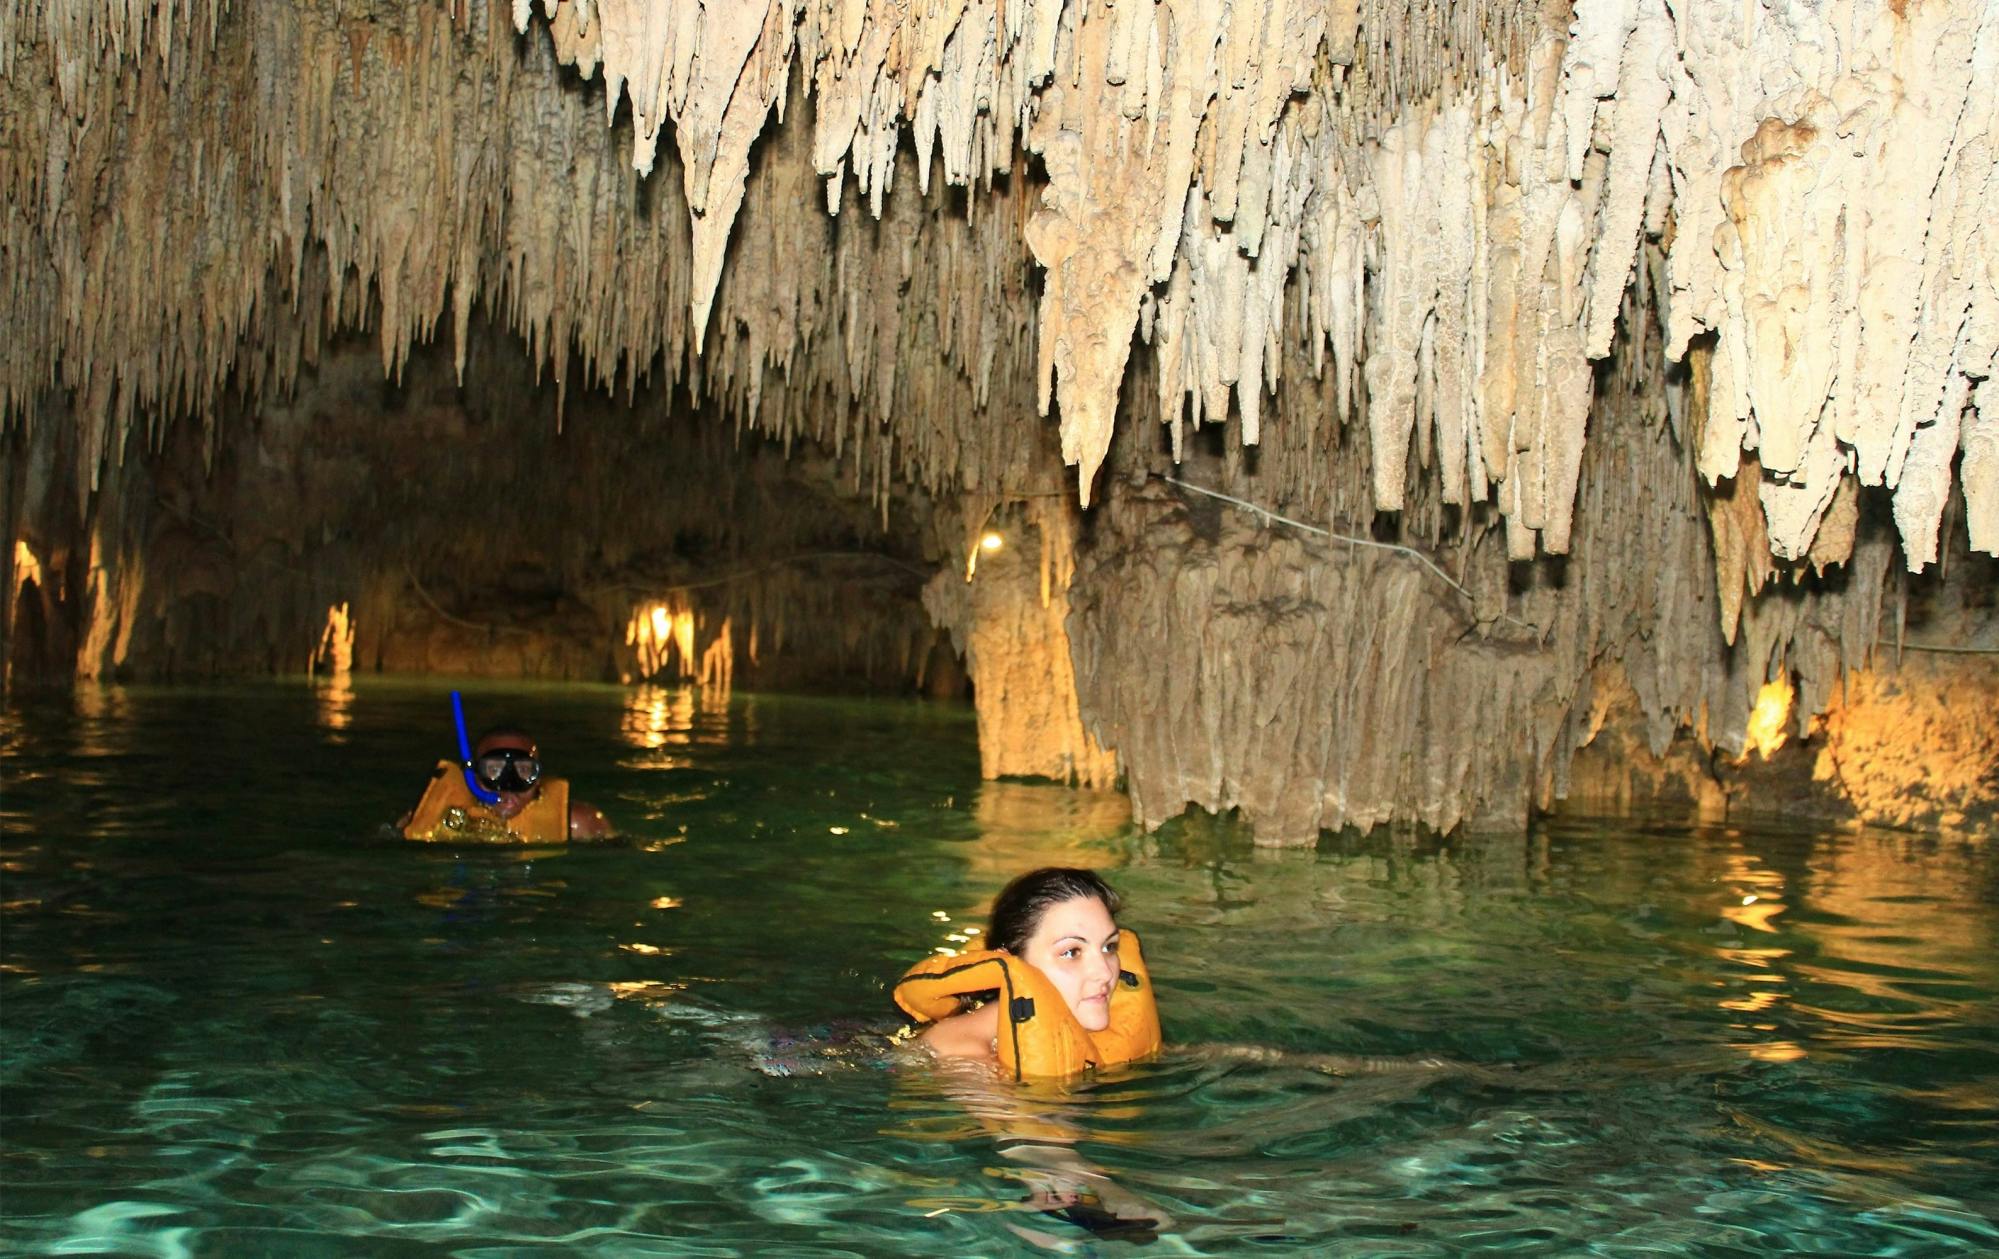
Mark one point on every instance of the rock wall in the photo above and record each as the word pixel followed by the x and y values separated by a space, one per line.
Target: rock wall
pixel 1391 669
pixel 1916 746
pixel 1008 613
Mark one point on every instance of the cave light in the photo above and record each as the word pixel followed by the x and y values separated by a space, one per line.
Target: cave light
pixel 1759 979
pixel 336 642
pixel 644 989
pixel 958 938
pixel 26 567
pixel 683 638
pixel 990 541
pixel 336 707
pixel 650 633
pixel 658 717
pixel 1769 724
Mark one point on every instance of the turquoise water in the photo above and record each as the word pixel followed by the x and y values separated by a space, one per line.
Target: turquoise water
pixel 233 1021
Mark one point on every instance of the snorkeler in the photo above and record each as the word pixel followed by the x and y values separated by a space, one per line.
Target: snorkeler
pixel 498 794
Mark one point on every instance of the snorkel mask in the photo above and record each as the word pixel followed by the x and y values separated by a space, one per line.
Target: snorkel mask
pixel 507 769
pixel 472 785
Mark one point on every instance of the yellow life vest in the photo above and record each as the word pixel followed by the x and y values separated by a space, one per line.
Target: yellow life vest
pixel 449 812
pixel 1038 1036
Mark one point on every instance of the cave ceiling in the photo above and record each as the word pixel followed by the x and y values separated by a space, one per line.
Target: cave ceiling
pixel 912 230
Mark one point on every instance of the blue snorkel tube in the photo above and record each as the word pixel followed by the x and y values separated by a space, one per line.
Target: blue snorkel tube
pixel 465 754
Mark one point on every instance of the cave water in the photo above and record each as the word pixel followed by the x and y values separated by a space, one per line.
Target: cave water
pixel 235 1019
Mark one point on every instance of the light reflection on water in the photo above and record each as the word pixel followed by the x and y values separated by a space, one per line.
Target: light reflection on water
pixel 236 1023
pixel 336 705
pixel 659 717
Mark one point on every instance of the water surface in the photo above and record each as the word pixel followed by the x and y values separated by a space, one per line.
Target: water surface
pixel 235 1021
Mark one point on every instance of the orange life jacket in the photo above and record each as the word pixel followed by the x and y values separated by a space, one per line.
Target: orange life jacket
pixel 1038 1036
pixel 449 812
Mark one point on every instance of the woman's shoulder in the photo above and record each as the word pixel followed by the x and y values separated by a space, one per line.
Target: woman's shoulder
pixel 967 1035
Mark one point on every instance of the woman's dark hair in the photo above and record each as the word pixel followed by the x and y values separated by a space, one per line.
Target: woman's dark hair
pixel 1018 908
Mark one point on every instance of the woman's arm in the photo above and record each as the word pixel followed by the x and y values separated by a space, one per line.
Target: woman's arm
pixel 1331 1064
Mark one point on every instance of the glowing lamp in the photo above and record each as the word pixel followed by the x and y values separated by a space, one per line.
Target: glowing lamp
pixel 26 567
pixel 1769 724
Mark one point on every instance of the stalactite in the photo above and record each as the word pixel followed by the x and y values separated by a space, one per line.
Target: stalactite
pixel 313 212
pixel 1486 175
pixel 1851 274
pixel 1981 468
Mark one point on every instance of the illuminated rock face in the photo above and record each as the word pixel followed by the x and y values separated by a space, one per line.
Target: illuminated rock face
pixel 1007 612
pixel 1504 282
pixel 1918 747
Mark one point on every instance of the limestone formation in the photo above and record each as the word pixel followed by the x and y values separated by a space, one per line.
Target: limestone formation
pixel 1911 750
pixel 1703 298
pixel 1007 612
pixel 1318 682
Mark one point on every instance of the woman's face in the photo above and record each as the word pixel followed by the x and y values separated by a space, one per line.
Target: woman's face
pixel 1076 945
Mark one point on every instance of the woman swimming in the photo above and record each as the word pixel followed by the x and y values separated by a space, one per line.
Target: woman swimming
pixel 1060 989
pixel 1063 988
pixel 1070 983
